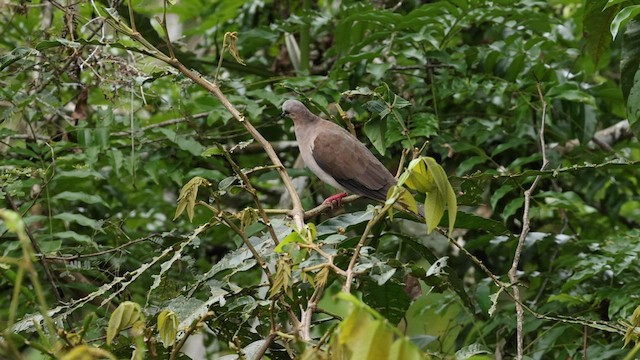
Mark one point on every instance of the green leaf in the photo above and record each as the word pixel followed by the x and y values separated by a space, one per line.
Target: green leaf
pixel 79 196
pixel 123 317
pixel 81 238
pixel 622 18
pixel 80 220
pixel 426 176
pixel 167 327
pixel 404 349
pixel 214 150
pixel 308 234
pixel 596 23
pixel 633 102
pixel 183 142
pixel 445 189
pixel 375 129
pixel 417 177
pixel 434 205
pixel 282 278
pixel 188 196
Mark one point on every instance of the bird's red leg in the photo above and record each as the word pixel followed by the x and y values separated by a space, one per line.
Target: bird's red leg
pixel 337 198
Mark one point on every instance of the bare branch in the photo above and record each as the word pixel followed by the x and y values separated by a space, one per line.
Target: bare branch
pixel 526 223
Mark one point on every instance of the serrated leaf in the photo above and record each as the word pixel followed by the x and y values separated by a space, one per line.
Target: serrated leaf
pixel 282 279
pixel 321 277
pixel 167 327
pixel 125 315
pixel 188 196
pixel 469 352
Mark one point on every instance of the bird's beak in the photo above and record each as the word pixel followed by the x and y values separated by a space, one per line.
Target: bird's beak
pixel 283 115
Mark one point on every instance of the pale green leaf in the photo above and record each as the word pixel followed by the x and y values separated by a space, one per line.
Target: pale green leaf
pixel 79 219
pixel 188 196
pixel 167 327
pixel 80 196
pixel 404 349
pixel 123 317
pixel 622 18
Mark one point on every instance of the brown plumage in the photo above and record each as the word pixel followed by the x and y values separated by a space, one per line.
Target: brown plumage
pixel 337 157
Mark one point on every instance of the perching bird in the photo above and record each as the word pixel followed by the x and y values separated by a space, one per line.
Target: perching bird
pixel 337 157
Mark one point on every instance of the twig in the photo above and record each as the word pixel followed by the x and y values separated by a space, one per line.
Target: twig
pixel 263 349
pixel 297 211
pixel 82 256
pixel 36 248
pixel 526 223
pixel 323 207
pixel 249 245
pixel 164 123
pixel 307 315
pixel 379 216
pixel 251 190
pixel 190 330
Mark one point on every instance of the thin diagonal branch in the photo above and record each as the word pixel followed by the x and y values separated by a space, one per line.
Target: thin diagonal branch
pixel 526 226
pixel 254 194
pixel 356 253
pixel 297 212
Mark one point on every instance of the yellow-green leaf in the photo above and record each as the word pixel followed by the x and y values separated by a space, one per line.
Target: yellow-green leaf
pixel 404 349
pixel 434 204
pixel 167 327
pixel 282 280
pixel 418 177
pixel 188 195
pixel 444 188
pixel 86 352
pixel 307 234
pixel 353 325
pixel 124 316
pixel 321 277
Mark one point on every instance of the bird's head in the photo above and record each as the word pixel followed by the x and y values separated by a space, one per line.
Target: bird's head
pixel 296 111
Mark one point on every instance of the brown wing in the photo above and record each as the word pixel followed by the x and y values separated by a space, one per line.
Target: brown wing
pixel 351 164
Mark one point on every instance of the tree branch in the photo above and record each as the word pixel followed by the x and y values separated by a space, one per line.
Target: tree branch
pixel 526 223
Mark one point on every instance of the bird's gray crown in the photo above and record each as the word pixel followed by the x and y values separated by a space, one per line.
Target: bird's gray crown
pixel 294 107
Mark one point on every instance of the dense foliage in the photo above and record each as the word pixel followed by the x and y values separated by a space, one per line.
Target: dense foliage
pixel 139 211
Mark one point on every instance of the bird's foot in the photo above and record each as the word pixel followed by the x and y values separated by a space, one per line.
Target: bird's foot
pixel 335 199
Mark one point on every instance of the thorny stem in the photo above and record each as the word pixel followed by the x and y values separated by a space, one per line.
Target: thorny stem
pixel 526 223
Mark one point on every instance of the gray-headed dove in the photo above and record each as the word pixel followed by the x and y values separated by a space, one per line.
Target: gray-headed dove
pixel 337 157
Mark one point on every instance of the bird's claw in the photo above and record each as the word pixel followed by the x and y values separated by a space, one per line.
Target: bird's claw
pixel 337 199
